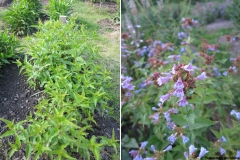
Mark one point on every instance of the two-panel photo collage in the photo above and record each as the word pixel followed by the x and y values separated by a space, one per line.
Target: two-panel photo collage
pixel 119 79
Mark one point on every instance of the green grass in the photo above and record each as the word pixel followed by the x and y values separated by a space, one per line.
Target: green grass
pixel 107 42
pixel 2 13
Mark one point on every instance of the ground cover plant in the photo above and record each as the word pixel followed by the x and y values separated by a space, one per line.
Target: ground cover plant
pixel 179 96
pixel 77 89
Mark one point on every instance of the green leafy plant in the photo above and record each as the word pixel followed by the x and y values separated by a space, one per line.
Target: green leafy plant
pixel 234 12
pixel 59 7
pixel 65 63
pixel 22 15
pixel 8 45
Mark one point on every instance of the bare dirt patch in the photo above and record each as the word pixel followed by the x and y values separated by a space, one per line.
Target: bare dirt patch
pixel 219 24
pixel 107 24
pixel 111 7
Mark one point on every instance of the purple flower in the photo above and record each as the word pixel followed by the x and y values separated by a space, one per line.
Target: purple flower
pixel 173 110
pixel 154 108
pixel 168 148
pixel 222 139
pixel 150 158
pixel 143 144
pixel 178 93
pixel 174 58
pixel 202 76
pixel 238 115
pixel 182 102
pixel 233 112
pixel 165 97
pixel 128 94
pixel 133 152
pixel 126 83
pixel 171 125
pixel 155 118
pixel 172 138
pixel 238 154
pixel 179 84
pixel 189 67
pixel 153 148
pixel 225 73
pixel 167 116
pixel 185 139
pixel 183 50
pixel 203 151
pixel 182 35
pixel 136 155
pixel 232 59
pixel 185 155
pixel 192 149
pixel 162 80
pixel 222 151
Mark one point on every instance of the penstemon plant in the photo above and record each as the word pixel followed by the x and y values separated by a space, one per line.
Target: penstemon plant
pixel 172 98
pixel 64 63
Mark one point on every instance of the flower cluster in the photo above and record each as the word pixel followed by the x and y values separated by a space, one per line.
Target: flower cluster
pixel 218 143
pixel 233 69
pixel 137 154
pixel 127 88
pixel 182 76
pixel 191 154
pixel 205 46
pixel 188 22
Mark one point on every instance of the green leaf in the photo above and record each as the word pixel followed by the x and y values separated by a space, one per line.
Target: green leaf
pixel 129 142
pixel 201 122
pixel 179 119
pixel 28 150
pixel 8 133
pixel 208 99
pixel 65 155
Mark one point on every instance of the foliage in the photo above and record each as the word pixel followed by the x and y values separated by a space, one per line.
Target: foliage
pixel 235 13
pixel 209 12
pixel 116 17
pixel 8 45
pixel 65 63
pixel 22 15
pixel 159 21
pixel 177 102
pixel 59 7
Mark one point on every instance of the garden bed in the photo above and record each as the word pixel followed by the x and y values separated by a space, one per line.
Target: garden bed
pixel 18 99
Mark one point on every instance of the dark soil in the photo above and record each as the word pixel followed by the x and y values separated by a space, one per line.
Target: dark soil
pixel 5 2
pixel 111 7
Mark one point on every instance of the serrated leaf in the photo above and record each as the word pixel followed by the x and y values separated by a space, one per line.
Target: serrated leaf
pixel 201 122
